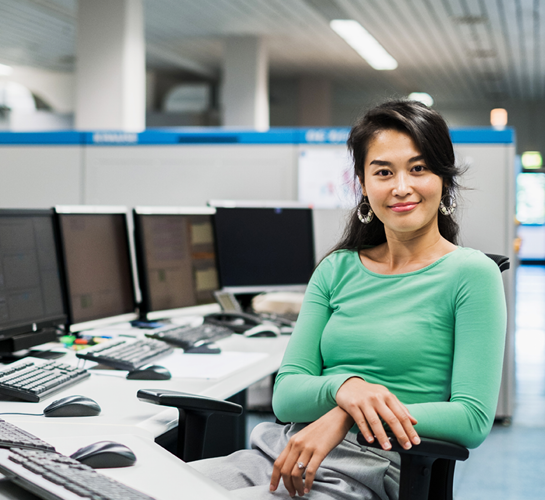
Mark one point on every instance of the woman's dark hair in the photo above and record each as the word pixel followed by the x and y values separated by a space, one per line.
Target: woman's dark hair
pixel 430 134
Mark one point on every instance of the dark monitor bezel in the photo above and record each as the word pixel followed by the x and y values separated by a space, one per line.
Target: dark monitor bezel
pixel 146 310
pixel 264 288
pixel 53 321
pixel 99 322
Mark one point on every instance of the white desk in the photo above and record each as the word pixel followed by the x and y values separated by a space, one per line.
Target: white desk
pixel 127 420
pixel 117 396
pixel 156 472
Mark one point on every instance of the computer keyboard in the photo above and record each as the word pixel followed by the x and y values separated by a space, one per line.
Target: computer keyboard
pixel 12 436
pixel 34 380
pixel 126 354
pixel 52 476
pixel 187 337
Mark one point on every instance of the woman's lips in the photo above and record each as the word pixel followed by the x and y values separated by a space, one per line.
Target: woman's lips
pixel 404 207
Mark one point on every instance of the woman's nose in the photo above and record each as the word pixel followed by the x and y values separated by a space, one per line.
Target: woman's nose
pixel 402 185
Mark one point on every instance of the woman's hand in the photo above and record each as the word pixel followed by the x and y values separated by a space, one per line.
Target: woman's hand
pixel 371 404
pixel 309 447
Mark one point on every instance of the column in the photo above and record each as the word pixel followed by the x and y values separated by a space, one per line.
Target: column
pixel 110 66
pixel 314 102
pixel 246 83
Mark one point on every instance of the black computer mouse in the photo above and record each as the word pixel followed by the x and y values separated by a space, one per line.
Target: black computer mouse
pixel 105 454
pixel 72 406
pixel 150 372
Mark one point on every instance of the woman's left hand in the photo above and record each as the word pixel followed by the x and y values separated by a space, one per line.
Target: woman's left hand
pixel 309 447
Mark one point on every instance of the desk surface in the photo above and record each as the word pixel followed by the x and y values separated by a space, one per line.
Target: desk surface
pixel 127 420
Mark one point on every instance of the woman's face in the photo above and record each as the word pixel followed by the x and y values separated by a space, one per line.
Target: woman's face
pixel 402 191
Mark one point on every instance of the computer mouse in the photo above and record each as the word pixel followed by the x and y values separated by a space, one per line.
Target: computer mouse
pixel 203 347
pixel 263 330
pixel 150 372
pixel 105 454
pixel 72 406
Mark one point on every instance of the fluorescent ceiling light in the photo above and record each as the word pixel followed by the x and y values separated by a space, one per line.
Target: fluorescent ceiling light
pixel 422 97
pixel 5 70
pixel 355 35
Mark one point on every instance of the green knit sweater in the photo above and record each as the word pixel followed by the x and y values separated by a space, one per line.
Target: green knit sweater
pixel 434 337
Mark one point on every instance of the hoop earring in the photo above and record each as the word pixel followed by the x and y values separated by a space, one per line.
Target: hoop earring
pixel 368 217
pixel 450 208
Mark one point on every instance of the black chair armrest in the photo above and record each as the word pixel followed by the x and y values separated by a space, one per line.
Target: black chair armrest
pixel 428 447
pixel 189 402
pixel 427 469
pixel 193 414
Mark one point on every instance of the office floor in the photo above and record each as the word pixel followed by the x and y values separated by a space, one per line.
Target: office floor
pixel 510 464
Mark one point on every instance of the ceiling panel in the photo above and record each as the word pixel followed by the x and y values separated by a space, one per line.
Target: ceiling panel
pixel 457 50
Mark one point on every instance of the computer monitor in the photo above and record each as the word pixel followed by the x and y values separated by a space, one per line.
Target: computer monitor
pixel 31 299
pixel 176 261
pixel 97 266
pixel 263 248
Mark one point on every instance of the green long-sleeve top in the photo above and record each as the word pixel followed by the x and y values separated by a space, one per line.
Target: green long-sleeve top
pixel 434 337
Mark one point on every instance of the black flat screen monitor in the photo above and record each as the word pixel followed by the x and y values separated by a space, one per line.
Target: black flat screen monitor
pixel 97 266
pixel 176 261
pixel 264 249
pixel 31 298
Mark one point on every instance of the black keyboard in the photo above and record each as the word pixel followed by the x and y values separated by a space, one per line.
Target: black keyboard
pixel 126 354
pixel 52 476
pixel 38 379
pixel 12 436
pixel 187 337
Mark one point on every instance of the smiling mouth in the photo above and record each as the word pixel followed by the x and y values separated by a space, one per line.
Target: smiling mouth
pixel 404 207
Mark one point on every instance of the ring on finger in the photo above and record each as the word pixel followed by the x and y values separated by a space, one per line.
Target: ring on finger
pixel 301 466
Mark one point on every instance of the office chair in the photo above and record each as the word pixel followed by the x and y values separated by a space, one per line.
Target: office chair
pixel 427 470
pixel 193 414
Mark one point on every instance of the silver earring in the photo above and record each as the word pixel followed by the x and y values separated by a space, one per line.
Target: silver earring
pixel 450 208
pixel 368 217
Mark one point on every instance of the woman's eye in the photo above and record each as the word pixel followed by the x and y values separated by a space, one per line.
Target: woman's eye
pixel 419 168
pixel 383 173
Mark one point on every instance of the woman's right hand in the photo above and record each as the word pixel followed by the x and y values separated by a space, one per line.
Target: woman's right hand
pixel 371 404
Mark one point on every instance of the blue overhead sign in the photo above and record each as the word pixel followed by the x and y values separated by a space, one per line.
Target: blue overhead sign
pixel 482 136
pixel 218 136
pixel 62 138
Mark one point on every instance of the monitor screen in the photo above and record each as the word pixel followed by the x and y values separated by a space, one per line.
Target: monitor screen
pixel 97 268
pixel 30 285
pixel 176 259
pixel 264 248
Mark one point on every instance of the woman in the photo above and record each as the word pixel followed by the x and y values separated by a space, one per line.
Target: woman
pixel 400 328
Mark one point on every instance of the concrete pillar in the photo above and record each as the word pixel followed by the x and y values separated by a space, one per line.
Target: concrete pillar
pixel 110 66
pixel 314 102
pixel 246 83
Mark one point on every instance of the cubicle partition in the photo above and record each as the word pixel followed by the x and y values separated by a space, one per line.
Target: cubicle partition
pixel 40 170
pixel 181 167
pixel 487 222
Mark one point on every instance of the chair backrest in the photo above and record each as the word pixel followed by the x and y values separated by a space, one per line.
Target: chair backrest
pixel 501 260
pixel 428 473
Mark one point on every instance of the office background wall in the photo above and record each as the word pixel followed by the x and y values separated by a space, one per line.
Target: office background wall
pixel 190 168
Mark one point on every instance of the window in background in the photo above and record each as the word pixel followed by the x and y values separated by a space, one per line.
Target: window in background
pixel 531 198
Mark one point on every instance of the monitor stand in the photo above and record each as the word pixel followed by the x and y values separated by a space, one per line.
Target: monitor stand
pixel 18 346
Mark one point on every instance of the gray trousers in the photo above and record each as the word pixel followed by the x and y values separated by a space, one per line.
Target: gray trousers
pixel 349 472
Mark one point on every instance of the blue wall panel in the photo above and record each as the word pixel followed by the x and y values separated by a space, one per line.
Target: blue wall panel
pixel 223 136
